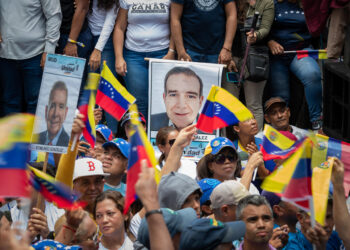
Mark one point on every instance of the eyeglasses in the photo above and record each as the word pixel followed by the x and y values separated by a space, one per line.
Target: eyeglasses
pixel 221 158
pixel 171 142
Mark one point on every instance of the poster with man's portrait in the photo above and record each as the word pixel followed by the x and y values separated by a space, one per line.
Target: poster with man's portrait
pixel 57 103
pixel 178 91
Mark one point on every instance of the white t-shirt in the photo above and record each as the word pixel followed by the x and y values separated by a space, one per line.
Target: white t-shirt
pixel 101 23
pixel 252 188
pixel 148 24
pixel 135 224
pixel 187 167
pixel 21 215
pixel 127 245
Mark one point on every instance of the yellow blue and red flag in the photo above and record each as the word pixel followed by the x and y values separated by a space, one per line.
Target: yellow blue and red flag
pixel 111 95
pixel 54 191
pixel 15 136
pixel 326 147
pixel 275 145
pixel 140 149
pixel 293 179
pixel 321 177
pixel 87 106
pixel 314 53
pixel 220 110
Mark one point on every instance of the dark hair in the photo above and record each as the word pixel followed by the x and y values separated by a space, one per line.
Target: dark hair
pixel 203 170
pixel 255 200
pixel 107 4
pixel 161 139
pixel 185 71
pixel 50 169
pixel 116 197
pixel 59 85
pixel 7 215
pixel 241 6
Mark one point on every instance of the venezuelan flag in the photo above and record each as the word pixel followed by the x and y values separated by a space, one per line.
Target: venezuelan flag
pixel 293 179
pixel 16 133
pixel 316 54
pixel 54 191
pixel 321 177
pixel 326 147
pixel 87 106
pixel 276 145
pixel 111 95
pixel 140 149
pixel 221 110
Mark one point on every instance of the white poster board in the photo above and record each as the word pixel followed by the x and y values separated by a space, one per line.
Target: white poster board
pixel 177 93
pixel 57 103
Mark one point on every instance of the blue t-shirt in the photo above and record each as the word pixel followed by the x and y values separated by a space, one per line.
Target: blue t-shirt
pixel 300 242
pixel 203 25
pixel 289 27
pixel 121 188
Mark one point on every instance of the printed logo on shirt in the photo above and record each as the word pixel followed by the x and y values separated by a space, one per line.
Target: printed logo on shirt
pixel 206 5
pixel 149 8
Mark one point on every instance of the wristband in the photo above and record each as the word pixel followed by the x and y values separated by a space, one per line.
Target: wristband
pixel 75 42
pixel 226 49
pixel 69 228
pixel 155 211
pixel 172 50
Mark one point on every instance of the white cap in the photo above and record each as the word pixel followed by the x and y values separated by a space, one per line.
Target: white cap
pixel 228 193
pixel 87 167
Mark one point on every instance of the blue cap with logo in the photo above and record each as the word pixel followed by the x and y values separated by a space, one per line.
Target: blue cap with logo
pixel 207 186
pixel 104 131
pixel 121 144
pixel 215 145
pixel 208 233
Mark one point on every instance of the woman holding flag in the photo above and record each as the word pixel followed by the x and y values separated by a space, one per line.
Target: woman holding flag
pixel 221 162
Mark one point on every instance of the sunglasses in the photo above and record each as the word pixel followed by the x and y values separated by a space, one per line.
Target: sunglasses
pixel 221 158
pixel 171 142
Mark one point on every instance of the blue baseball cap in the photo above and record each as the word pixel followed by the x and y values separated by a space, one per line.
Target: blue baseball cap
pixel 121 144
pixel 207 186
pixel 176 221
pixel 127 117
pixel 215 145
pixel 206 234
pixel 105 132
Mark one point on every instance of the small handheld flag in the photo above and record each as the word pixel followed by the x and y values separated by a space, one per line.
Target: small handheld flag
pixel 314 53
pixel 140 149
pixel 220 110
pixel 86 107
pixel 54 191
pixel 293 179
pixel 275 145
pixel 321 177
pixel 15 136
pixel 112 96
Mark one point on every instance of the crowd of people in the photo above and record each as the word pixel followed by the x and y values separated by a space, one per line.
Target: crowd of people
pixel 215 202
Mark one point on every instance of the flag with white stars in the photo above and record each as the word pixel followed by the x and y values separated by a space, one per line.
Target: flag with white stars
pixel 111 94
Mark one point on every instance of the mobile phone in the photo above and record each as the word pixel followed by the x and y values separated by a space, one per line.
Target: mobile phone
pixel 232 77
pixel 84 145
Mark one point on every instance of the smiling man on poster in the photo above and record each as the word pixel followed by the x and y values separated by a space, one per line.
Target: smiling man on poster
pixel 183 98
pixel 55 115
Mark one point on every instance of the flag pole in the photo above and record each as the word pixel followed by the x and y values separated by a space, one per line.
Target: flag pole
pixel 40 200
pixel 312 213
